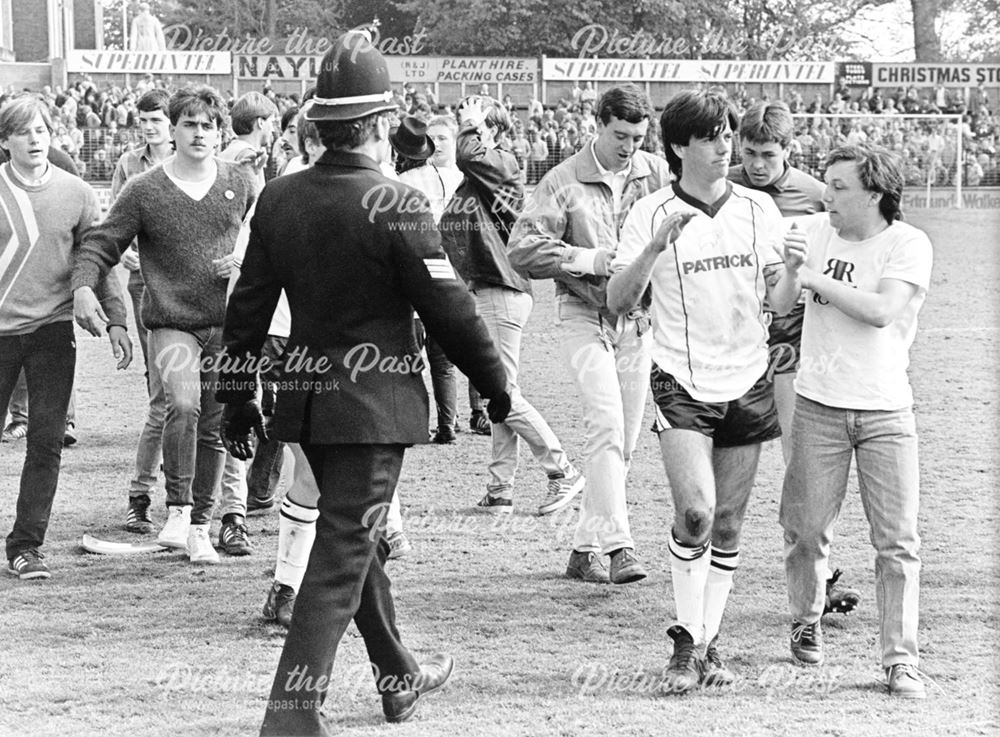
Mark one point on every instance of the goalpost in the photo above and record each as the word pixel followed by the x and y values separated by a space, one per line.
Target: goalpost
pixel 930 146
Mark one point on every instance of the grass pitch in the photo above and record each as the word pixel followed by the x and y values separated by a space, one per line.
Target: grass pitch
pixel 150 645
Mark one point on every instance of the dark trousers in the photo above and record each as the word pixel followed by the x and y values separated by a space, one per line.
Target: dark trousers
pixel 444 382
pixel 268 458
pixel 48 357
pixel 344 580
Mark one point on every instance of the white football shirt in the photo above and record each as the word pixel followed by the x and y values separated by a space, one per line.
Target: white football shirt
pixel 708 289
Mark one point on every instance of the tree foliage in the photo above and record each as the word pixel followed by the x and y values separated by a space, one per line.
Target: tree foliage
pixel 753 29
pixel 750 29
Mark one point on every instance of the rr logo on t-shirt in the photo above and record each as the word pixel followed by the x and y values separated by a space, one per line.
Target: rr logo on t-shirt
pixel 839 270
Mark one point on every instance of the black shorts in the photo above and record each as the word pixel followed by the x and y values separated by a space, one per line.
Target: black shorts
pixel 749 420
pixel 784 341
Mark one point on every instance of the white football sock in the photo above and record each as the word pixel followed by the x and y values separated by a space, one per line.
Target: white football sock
pixel 689 571
pixel 720 581
pixel 296 532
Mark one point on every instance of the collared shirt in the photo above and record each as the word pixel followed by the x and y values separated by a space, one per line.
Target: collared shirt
pixel 614 179
pixel 131 164
pixel 794 192
pixel 708 290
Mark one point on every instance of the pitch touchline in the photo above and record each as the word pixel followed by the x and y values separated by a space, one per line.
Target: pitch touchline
pixel 959 330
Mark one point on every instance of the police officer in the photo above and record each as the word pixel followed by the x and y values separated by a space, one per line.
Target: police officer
pixel 355 262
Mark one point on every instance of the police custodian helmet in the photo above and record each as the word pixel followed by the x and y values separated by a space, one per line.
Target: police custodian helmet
pixel 353 81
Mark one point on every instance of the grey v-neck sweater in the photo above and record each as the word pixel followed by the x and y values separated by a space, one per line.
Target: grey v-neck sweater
pixel 178 238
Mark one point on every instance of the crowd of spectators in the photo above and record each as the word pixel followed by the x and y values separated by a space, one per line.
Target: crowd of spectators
pixel 95 125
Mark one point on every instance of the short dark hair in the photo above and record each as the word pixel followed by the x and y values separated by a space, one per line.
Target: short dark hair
pixel 155 99
pixel 288 117
pixel 768 122
pixel 879 171
pixel 195 100
pixel 627 102
pixel 338 135
pixel 694 114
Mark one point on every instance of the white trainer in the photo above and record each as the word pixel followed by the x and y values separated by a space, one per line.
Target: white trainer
pixel 199 545
pixel 175 532
pixel 561 491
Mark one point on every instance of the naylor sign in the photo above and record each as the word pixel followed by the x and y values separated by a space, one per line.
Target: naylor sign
pixel 155 62
pixel 423 69
pixel 684 70
pixel 947 75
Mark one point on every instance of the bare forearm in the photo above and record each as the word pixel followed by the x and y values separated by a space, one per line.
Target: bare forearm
pixel 784 292
pixel 879 308
pixel 626 287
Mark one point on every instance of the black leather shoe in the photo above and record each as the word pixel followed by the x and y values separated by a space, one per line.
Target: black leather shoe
pixel 400 706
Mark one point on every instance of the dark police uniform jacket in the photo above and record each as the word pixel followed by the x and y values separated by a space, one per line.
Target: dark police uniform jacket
pixel 355 253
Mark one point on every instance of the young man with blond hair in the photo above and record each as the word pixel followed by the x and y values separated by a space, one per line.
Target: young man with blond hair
pixel 45 214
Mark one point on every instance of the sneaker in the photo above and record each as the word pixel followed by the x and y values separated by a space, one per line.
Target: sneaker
pixel 625 567
pixel 137 518
pixel 714 671
pixel 840 598
pixel 175 532
pixel 480 424
pixel 496 503
pixel 586 567
pixel 807 643
pixel 255 502
pixel 234 537
pixel 684 669
pixel 904 682
pixel 561 491
pixel 14 431
pixel 27 565
pixel 279 604
pixel 199 545
pixel 444 435
pixel 399 545
pixel 69 436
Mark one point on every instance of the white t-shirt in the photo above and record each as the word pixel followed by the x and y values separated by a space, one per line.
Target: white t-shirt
pixel 438 183
pixel 847 363
pixel 709 326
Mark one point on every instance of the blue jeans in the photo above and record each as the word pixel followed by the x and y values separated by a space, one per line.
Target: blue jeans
pixel 48 357
pixel 609 363
pixel 193 455
pixel 884 446
pixel 148 454
pixel 505 312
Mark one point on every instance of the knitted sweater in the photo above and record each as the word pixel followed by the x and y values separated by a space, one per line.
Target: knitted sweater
pixel 178 239
pixel 40 227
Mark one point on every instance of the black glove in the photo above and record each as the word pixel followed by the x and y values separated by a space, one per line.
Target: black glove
pixel 499 407
pixel 239 423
